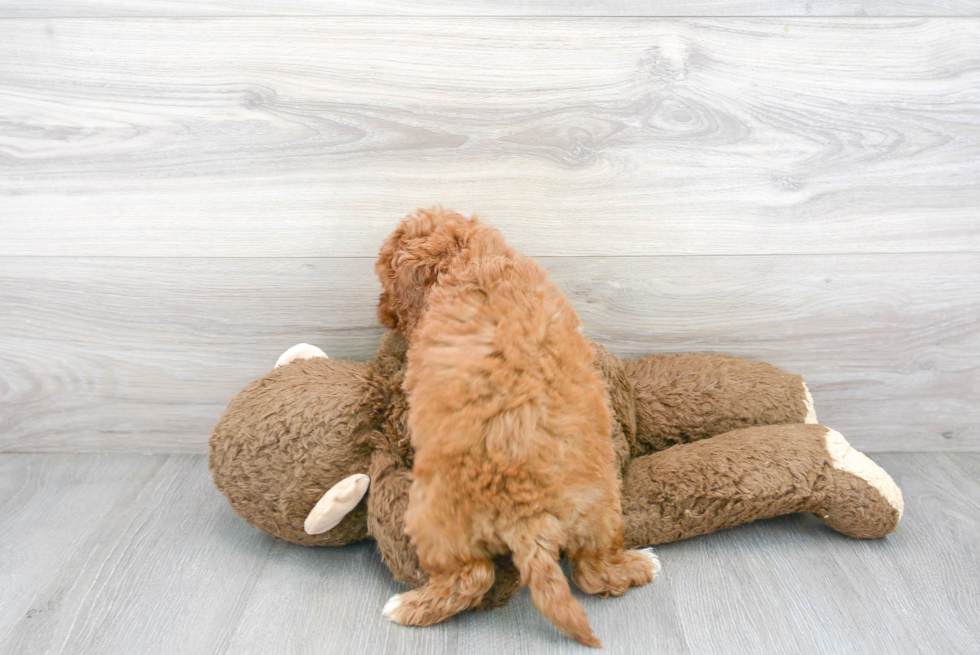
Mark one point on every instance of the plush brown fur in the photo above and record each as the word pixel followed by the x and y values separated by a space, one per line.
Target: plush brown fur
pixel 294 433
pixel 755 473
pixel 691 396
pixel 274 453
pixel 510 426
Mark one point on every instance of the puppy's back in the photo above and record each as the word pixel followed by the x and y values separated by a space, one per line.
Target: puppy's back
pixel 501 348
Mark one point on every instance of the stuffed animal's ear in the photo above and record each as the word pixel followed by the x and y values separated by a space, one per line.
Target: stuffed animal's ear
pixel 334 505
pixel 299 351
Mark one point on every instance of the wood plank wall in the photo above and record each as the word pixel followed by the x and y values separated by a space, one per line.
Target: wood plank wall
pixel 189 188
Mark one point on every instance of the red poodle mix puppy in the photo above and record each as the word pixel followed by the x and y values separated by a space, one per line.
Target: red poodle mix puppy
pixel 510 424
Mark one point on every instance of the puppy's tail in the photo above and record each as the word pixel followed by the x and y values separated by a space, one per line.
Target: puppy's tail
pixel 549 589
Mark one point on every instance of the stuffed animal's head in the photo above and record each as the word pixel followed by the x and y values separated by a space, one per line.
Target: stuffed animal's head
pixel 302 429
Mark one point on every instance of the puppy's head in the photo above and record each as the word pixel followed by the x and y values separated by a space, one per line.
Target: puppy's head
pixel 423 246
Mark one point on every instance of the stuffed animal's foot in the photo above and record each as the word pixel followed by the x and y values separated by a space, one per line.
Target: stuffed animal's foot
pixel 598 572
pixel 299 351
pixel 857 463
pixel 811 413
pixel 856 496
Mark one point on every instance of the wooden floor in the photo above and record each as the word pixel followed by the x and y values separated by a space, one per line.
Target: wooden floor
pixel 126 553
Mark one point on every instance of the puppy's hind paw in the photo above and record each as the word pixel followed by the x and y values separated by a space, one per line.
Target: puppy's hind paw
pixel 389 609
pixel 656 566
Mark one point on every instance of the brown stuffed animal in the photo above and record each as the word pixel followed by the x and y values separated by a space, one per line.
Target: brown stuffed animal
pixel 296 450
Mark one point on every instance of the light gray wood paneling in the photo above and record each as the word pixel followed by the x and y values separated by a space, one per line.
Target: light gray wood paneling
pixel 143 354
pixel 55 8
pixel 129 554
pixel 310 137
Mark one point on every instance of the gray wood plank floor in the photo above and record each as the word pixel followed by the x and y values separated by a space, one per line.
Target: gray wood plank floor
pixel 111 553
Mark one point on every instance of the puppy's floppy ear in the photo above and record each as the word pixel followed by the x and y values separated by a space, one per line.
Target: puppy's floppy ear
pixel 384 267
pixel 412 280
pixel 411 260
pixel 386 312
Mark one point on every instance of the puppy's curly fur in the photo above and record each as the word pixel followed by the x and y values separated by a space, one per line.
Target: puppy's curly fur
pixel 510 425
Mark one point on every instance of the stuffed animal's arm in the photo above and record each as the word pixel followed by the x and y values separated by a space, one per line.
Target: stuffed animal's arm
pixel 683 398
pixel 390 481
pixel 760 472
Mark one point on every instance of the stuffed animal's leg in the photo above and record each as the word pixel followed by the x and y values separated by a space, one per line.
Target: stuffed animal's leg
pixel 760 472
pixel 684 398
pixel 386 508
